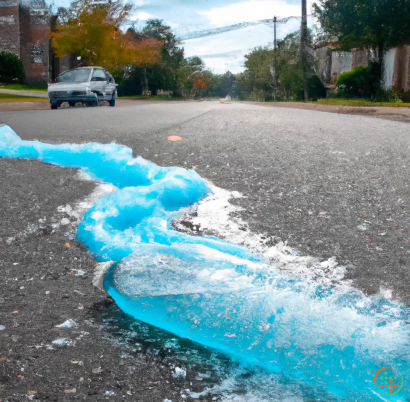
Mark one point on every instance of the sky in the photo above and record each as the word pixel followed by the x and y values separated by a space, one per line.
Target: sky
pixel 225 51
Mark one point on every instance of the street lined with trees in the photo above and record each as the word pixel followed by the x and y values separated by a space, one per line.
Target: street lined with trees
pixel 150 59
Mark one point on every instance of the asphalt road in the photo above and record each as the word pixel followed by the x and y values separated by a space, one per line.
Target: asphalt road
pixel 328 184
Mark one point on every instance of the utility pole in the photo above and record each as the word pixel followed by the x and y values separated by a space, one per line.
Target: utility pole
pixel 304 37
pixel 275 44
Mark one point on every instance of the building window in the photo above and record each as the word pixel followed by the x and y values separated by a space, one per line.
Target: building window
pixel 36 54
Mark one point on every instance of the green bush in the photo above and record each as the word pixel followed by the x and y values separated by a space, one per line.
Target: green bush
pixel 361 82
pixel 316 89
pixel 11 68
pixel 335 94
pixel 357 76
pixel 393 95
pixel 405 97
pixel 257 95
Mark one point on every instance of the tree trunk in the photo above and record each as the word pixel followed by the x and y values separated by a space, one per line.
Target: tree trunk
pixel 145 81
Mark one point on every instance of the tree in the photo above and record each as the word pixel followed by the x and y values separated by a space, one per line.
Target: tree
pixel 200 82
pixel 163 74
pixel 292 74
pixel 172 55
pixel 187 74
pixel 365 24
pixel 92 30
pixel 259 61
pixel 228 80
pixel 215 88
pixel 221 85
pixel 293 71
pixel 246 83
pixel 11 68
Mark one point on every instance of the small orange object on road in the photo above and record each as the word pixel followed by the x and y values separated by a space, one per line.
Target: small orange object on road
pixel 174 138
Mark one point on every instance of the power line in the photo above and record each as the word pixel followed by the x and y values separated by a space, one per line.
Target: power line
pixel 241 25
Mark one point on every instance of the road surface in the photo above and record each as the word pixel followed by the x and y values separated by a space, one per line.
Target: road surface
pixel 330 185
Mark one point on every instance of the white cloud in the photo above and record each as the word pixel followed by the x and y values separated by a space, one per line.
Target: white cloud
pixel 252 10
pixel 173 25
pixel 142 16
pixel 221 65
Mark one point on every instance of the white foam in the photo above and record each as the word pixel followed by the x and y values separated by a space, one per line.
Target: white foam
pixel 100 190
pixel 263 389
pixel 217 216
pixel 99 274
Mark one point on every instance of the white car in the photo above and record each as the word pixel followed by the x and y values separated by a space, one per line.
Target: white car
pixel 85 84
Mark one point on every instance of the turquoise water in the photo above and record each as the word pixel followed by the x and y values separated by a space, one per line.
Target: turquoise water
pixel 330 338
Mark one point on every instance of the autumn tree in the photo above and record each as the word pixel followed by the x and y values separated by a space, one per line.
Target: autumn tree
pixel 93 31
pixel 161 75
pixel 187 74
pixel 200 82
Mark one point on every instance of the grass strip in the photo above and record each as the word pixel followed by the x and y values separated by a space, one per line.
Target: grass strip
pixel 12 98
pixel 20 87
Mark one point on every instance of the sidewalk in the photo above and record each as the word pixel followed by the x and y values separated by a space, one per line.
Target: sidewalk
pixel 25 93
pixel 10 107
pixel 388 113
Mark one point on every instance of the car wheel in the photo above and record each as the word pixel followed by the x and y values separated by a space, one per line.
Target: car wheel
pixel 53 106
pixel 112 101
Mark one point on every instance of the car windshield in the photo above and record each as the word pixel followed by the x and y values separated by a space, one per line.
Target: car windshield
pixel 80 75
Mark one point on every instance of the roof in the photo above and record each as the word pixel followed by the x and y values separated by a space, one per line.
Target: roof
pixel 82 68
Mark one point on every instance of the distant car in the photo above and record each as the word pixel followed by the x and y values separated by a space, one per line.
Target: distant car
pixel 88 85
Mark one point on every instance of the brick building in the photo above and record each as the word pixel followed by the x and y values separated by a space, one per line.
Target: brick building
pixel 24 31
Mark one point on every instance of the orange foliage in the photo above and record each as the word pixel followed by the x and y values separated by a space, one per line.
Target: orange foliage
pixel 201 81
pixel 93 32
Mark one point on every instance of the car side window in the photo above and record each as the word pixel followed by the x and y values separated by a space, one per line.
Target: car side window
pixel 99 75
pixel 110 77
